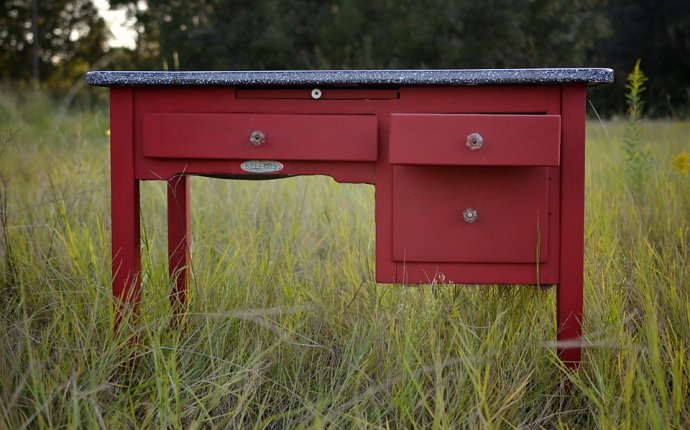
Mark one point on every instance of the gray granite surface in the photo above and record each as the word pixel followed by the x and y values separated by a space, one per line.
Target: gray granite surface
pixel 280 78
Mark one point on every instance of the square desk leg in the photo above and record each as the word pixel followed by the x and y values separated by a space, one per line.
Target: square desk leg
pixel 124 199
pixel 569 300
pixel 125 217
pixel 179 241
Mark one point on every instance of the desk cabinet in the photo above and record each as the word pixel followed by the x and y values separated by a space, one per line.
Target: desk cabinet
pixel 473 188
pixel 479 174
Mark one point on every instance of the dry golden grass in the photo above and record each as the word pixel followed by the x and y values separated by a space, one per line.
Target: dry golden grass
pixel 287 328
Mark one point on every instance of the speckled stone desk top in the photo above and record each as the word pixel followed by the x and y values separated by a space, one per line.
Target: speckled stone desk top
pixel 287 78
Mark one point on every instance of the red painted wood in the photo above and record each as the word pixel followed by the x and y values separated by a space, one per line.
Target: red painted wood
pixel 477 273
pixel 345 172
pixel 551 267
pixel 512 214
pixel 508 140
pixel 546 273
pixel 287 137
pixel 326 94
pixel 385 265
pixel 569 301
pixel 124 192
pixel 482 100
pixel 452 100
pixel 179 242
pixel 159 133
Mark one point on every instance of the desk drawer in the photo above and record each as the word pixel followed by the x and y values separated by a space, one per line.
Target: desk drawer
pixel 260 136
pixel 470 214
pixel 475 140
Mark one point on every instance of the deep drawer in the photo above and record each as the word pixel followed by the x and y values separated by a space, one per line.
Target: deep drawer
pixel 470 214
pixel 475 140
pixel 284 137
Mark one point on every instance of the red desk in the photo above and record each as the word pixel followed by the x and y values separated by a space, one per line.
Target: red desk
pixel 479 174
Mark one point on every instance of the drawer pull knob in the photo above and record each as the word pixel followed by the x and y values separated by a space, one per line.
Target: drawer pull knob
pixel 470 215
pixel 474 141
pixel 257 138
pixel 316 93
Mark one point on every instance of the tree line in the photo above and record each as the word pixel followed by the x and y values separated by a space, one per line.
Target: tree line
pixel 316 34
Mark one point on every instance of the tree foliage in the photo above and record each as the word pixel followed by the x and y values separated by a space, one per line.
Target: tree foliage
pixel 71 36
pixel 310 34
pixel 266 34
pixel 658 32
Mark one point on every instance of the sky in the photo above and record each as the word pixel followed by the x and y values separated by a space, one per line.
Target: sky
pixel 121 28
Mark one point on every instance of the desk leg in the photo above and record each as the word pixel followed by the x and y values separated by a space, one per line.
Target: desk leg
pixel 179 241
pixel 569 301
pixel 124 195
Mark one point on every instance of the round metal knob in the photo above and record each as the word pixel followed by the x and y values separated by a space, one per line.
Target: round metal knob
pixel 316 93
pixel 474 141
pixel 257 138
pixel 470 215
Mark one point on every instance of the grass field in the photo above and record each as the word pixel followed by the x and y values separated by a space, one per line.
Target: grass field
pixel 287 328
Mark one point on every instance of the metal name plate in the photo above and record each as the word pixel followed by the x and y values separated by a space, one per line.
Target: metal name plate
pixel 261 166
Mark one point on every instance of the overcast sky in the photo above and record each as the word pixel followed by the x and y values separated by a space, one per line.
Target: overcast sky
pixel 120 27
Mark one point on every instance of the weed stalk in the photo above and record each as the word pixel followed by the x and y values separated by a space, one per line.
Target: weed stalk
pixel 638 158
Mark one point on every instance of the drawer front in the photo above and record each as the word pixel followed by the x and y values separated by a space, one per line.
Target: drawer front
pixel 475 140
pixel 275 137
pixel 470 214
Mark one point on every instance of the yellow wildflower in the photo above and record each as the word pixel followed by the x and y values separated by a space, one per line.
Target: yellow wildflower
pixel 681 163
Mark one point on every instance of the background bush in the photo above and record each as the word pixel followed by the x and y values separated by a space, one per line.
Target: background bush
pixel 308 34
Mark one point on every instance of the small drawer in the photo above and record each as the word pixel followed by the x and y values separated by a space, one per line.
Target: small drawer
pixel 475 140
pixel 470 214
pixel 260 136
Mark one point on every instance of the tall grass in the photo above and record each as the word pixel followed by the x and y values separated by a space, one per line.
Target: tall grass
pixel 287 327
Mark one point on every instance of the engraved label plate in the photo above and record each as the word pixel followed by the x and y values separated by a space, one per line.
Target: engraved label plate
pixel 261 166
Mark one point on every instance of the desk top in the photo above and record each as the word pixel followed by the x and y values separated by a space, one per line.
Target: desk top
pixel 291 78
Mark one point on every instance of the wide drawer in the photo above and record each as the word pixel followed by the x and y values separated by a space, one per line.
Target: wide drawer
pixel 470 214
pixel 260 136
pixel 475 140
